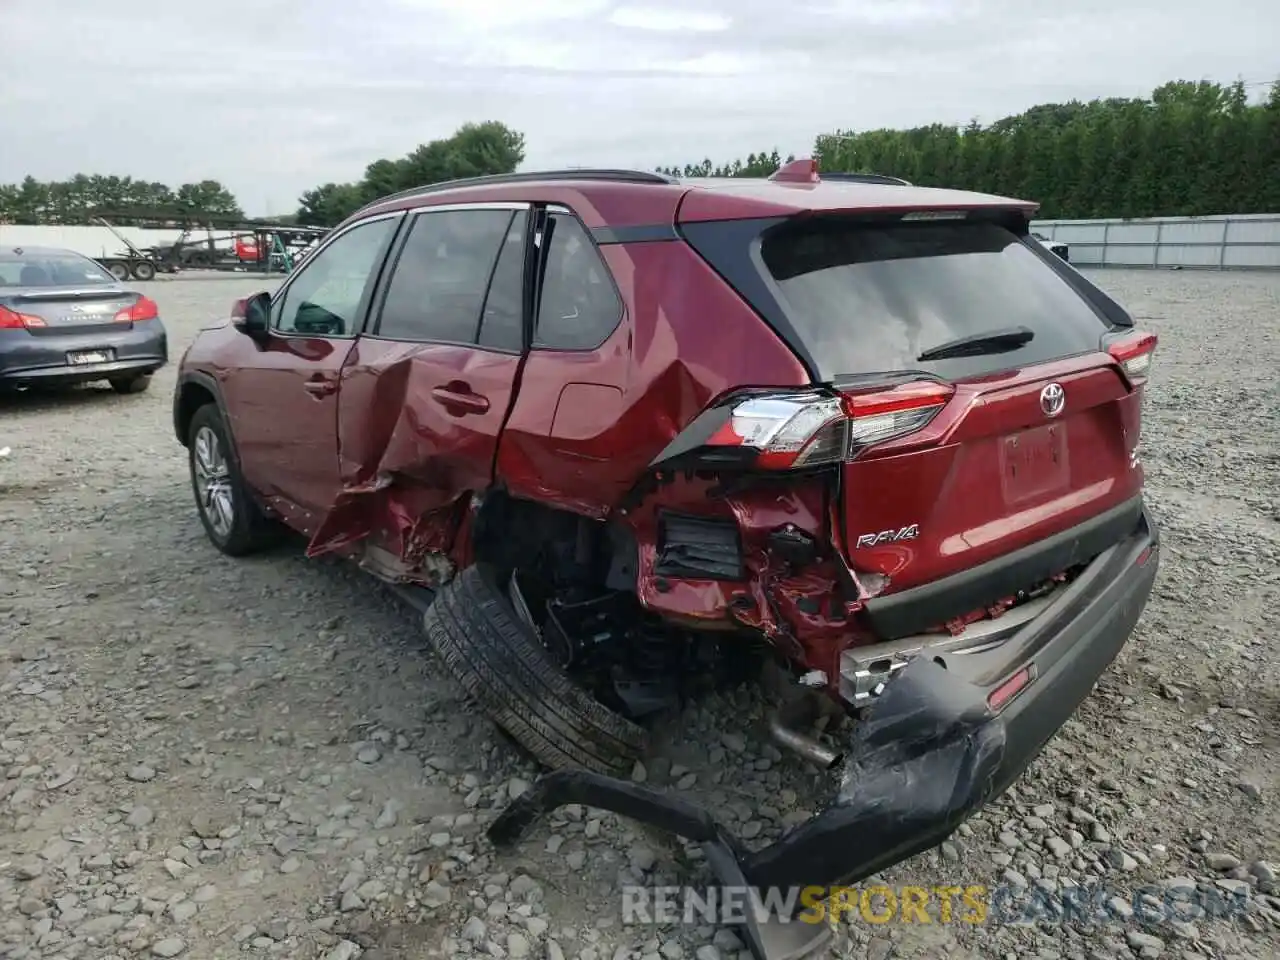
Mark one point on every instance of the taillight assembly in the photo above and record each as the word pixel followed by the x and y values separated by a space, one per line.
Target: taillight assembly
pixel 1134 354
pixel 879 415
pixel 144 309
pixel 786 431
pixel 12 320
pixel 798 430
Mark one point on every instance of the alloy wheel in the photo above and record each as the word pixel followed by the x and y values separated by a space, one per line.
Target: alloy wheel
pixel 213 482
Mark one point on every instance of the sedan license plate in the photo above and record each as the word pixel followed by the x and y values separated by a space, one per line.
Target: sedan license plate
pixel 1034 463
pixel 83 357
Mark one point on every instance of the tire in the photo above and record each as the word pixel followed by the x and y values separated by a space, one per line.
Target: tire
pixel 249 529
pixel 118 269
pixel 144 270
pixel 505 669
pixel 136 384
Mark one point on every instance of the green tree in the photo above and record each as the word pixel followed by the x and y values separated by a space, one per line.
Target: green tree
pixel 1192 147
pixel 330 203
pixel 85 196
pixel 474 150
pixel 208 197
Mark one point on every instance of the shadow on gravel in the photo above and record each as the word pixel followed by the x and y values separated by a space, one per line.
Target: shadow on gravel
pixel 42 399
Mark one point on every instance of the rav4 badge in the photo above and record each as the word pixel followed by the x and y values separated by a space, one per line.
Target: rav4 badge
pixel 887 536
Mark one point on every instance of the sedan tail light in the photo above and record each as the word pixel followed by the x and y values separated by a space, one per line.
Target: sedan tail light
pixel 144 309
pixel 12 320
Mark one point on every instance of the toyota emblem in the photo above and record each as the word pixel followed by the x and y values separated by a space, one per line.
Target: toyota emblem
pixel 1052 399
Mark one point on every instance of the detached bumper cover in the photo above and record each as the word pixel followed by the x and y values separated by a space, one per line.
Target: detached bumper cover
pixel 929 753
pixel 25 357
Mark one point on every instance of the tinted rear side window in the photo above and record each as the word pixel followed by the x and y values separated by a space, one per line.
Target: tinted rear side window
pixel 578 307
pixel 870 298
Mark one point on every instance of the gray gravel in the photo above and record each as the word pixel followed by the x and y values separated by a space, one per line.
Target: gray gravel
pixel 208 758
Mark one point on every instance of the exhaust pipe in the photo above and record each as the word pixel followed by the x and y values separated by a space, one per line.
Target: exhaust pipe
pixel 808 747
pixel 785 727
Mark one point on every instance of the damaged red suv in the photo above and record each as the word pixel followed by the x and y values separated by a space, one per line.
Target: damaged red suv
pixel 611 428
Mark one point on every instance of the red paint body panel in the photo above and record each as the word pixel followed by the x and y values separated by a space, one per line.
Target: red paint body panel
pixel 991 474
pixel 686 338
pixel 286 434
pixel 410 445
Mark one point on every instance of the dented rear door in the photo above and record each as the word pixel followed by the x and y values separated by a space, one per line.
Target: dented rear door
pixel 426 391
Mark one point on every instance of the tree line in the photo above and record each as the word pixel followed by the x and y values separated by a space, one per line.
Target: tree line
pixel 475 149
pixel 84 196
pixel 1191 148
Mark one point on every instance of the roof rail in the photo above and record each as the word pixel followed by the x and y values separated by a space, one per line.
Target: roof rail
pixel 496 179
pixel 866 178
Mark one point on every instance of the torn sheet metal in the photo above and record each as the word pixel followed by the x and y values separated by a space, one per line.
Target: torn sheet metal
pixel 925 758
pixel 805 608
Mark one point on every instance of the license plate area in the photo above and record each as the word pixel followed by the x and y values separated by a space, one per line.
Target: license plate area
pixel 1033 463
pixel 82 358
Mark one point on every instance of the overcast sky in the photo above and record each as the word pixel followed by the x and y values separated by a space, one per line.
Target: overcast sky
pixel 274 96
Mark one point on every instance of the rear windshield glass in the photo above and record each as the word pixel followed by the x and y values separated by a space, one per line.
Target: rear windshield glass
pixel 871 298
pixel 49 269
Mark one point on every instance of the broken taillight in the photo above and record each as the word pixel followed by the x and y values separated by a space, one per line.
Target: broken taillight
pixel 1134 354
pixel 786 431
pixel 797 430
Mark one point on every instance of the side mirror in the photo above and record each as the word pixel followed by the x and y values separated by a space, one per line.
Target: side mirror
pixel 252 315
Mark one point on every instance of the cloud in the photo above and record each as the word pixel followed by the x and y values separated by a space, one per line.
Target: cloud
pixel 669 21
pixel 275 96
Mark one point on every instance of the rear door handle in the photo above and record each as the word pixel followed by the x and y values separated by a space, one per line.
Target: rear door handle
pixel 459 399
pixel 320 387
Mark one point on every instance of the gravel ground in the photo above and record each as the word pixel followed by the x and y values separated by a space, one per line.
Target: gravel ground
pixel 205 757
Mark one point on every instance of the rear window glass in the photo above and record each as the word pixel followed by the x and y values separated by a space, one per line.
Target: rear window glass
pixel 871 298
pixel 43 269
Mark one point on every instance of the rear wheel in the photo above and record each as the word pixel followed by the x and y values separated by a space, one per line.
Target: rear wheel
pixel 502 664
pixel 231 518
pixel 144 270
pixel 130 384
pixel 118 269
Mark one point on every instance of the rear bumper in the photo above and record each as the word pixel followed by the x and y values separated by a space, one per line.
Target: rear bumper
pixel 928 755
pixel 27 358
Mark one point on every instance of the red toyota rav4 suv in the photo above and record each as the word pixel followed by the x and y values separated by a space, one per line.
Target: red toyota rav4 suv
pixel 609 426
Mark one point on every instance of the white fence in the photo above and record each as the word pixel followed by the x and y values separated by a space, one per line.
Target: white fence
pixel 1243 242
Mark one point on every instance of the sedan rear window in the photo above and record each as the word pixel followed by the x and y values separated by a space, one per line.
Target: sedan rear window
pixel 49 268
pixel 874 297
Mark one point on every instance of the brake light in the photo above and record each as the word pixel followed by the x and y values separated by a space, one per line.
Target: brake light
pixel 1134 354
pixel 144 309
pixel 12 320
pixel 790 431
pixel 880 415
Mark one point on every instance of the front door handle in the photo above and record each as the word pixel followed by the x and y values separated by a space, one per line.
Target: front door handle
pixel 459 399
pixel 320 387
